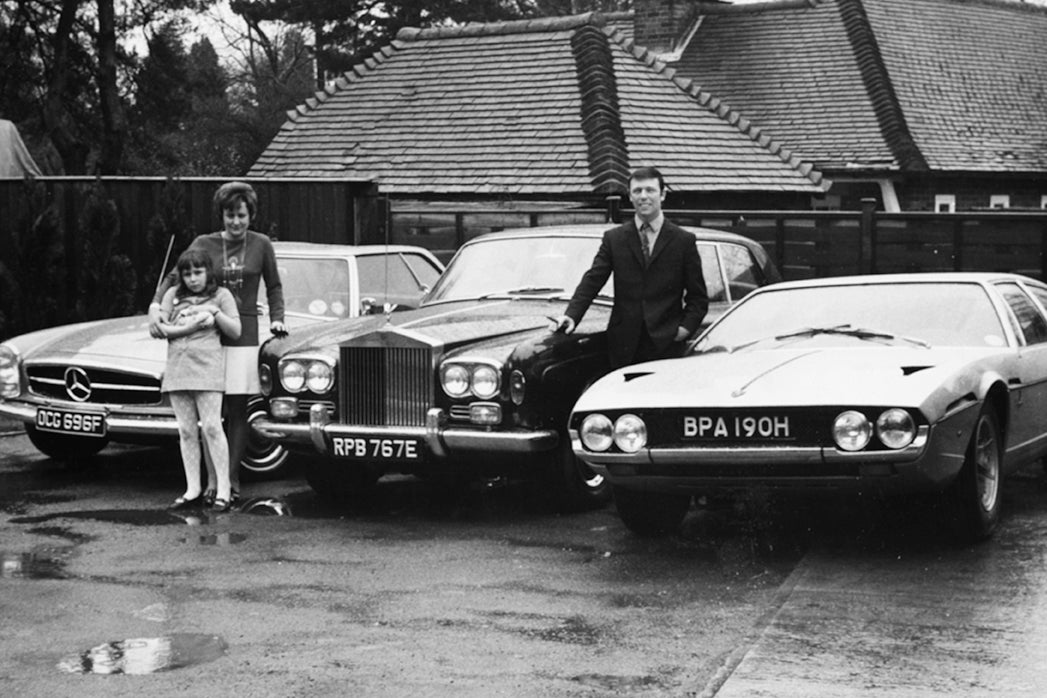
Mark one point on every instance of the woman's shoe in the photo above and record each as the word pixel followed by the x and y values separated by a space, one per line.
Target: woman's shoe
pixel 220 505
pixel 181 503
pixel 208 497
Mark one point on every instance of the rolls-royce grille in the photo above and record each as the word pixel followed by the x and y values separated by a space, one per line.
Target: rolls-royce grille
pixel 385 385
pixel 93 385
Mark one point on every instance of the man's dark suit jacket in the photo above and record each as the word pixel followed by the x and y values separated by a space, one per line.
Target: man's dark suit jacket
pixel 668 294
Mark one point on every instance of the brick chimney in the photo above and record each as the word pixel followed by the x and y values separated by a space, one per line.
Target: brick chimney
pixel 661 25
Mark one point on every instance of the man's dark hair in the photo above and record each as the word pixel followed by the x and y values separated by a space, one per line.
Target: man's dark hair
pixel 648 173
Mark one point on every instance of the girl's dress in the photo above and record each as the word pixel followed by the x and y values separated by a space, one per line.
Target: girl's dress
pixel 195 361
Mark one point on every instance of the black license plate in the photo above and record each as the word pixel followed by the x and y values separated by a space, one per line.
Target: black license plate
pixel 376 448
pixel 70 422
pixel 738 427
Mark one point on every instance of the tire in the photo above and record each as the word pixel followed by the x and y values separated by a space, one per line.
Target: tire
pixel 573 486
pixel 651 513
pixel 64 448
pixel 339 486
pixel 264 459
pixel 975 495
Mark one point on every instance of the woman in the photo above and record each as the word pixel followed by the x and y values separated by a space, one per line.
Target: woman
pixel 241 258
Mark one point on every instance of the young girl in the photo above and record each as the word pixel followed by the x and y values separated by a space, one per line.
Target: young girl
pixel 192 314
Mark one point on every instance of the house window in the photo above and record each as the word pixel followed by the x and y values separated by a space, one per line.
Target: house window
pixel 1043 201
pixel 1000 201
pixel 945 203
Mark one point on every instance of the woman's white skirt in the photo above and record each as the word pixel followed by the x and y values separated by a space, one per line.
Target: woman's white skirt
pixel 241 371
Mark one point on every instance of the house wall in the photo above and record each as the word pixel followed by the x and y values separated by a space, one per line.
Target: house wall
pixel 659 24
pixel 917 193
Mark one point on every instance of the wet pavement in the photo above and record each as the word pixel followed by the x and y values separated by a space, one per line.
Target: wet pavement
pixel 105 593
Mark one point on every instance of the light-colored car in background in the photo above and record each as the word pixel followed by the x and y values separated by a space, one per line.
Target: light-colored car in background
pixel 78 387
pixel 882 384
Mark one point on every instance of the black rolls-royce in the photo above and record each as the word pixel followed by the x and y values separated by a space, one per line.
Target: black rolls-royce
pixel 472 383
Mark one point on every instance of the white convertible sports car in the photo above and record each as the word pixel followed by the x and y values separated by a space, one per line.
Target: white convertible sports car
pixel 885 384
pixel 78 387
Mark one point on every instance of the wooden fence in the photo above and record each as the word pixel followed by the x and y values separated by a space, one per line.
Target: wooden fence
pixel 804 244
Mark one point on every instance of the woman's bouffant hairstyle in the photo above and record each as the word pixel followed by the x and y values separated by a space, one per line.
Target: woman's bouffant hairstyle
pixel 232 193
pixel 195 258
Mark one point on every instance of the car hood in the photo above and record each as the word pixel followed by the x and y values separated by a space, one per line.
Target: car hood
pixel 489 327
pixel 122 343
pixel 927 379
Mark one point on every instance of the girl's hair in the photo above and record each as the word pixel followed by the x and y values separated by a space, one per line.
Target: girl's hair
pixel 230 194
pixel 196 258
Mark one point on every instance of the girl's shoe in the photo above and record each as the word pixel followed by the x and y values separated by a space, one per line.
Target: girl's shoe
pixel 208 497
pixel 181 503
pixel 220 505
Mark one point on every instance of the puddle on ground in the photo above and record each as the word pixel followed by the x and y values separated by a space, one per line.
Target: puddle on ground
pixel 146 655
pixel 23 501
pixel 40 564
pixel 260 506
pixel 219 539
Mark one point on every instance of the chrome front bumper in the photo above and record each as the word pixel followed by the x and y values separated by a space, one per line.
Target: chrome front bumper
pixel 116 424
pixel 923 465
pixel 440 439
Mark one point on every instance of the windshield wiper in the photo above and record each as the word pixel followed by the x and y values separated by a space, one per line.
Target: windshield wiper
pixel 524 291
pixel 844 330
pixel 848 331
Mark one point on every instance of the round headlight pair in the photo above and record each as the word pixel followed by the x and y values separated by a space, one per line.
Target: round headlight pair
pixel 628 433
pixel 461 379
pixel 300 374
pixel 895 428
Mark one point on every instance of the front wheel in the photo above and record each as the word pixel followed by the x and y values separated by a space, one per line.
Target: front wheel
pixel 651 513
pixel 264 458
pixel 62 447
pixel 976 493
pixel 572 483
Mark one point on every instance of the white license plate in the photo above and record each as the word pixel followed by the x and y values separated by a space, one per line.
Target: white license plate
pixel 737 427
pixel 372 448
pixel 70 422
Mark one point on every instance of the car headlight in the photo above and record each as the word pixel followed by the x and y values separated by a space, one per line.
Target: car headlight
pixel 10 375
pixel 852 430
pixel 895 428
pixel 482 379
pixel 485 383
pixel 454 379
pixel 302 373
pixel 319 376
pixel 630 433
pixel 597 432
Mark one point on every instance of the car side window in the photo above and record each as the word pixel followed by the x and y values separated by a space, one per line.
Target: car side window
pixel 1030 321
pixel 740 269
pixel 712 273
pixel 387 279
pixel 426 272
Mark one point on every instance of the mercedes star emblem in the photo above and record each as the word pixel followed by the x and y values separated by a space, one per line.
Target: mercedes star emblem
pixel 77 384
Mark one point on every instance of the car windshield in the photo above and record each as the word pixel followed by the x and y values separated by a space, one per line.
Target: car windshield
pixel 315 286
pixel 524 266
pixel 905 314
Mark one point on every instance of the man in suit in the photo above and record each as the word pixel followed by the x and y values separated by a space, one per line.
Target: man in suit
pixel 659 290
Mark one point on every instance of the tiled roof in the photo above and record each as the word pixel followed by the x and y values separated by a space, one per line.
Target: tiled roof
pixel 911 85
pixel 553 106
pixel 970 78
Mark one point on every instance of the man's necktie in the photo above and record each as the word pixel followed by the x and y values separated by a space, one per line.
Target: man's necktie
pixel 645 242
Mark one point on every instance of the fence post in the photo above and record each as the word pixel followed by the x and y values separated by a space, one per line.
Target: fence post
pixel 459 230
pixel 957 244
pixel 867 249
pixel 614 209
